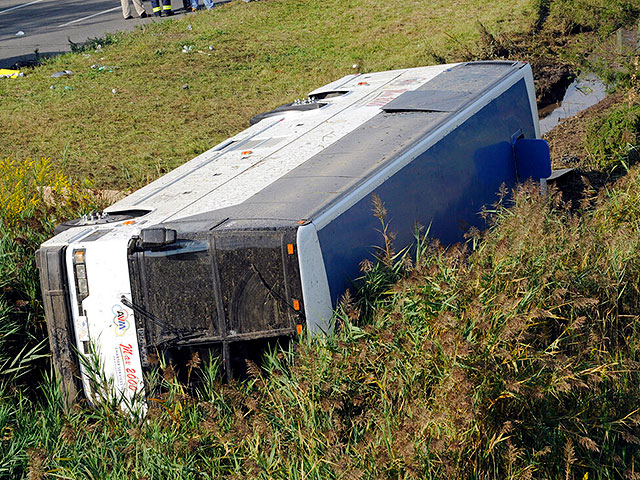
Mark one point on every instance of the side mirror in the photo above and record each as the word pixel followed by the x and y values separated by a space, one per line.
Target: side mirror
pixel 533 159
pixel 157 237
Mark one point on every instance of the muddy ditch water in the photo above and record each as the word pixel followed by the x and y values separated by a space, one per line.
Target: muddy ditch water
pixel 584 92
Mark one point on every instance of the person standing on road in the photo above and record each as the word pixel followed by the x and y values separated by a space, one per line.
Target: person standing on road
pixel 190 5
pixel 126 9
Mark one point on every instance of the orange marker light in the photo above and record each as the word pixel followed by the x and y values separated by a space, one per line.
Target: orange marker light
pixel 129 222
pixel 247 152
pixel 290 248
pixel 296 304
pixel 363 83
pixel 299 329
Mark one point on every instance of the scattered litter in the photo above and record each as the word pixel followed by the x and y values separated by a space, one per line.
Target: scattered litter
pixel 189 27
pixel 185 86
pixel 355 65
pixel 187 49
pixel 114 91
pixel 210 47
pixel 109 68
pixel 67 87
pixel 20 33
pixel 52 87
pixel 5 73
pixel 62 73
pixel 86 55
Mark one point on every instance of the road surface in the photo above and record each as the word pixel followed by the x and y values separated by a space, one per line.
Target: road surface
pixel 48 25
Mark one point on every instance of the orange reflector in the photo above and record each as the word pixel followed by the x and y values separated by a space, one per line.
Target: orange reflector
pixel 296 304
pixel 78 256
pixel 363 83
pixel 299 329
pixel 290 248
pixel 247 152
pixel 129 222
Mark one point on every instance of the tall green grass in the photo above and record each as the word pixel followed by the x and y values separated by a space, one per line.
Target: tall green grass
pixel 515 359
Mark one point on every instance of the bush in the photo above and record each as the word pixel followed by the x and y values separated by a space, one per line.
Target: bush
pixel 613 138
pixel 34 197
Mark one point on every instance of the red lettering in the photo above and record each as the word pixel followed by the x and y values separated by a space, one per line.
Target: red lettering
pixel 128 349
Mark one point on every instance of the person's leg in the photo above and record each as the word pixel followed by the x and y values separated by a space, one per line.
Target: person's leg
pixel 208 4
pixel 166 8
pixel 155 5
pixel 194 5
pixel 137 4
pixel 126 9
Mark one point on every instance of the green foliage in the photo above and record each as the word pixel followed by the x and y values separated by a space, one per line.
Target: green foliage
pixel 602 16
pixel 613 138
pixel 33 198
pixel 516 361
pixel 96 43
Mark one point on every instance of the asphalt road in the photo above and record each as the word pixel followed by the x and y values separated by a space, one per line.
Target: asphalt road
pixel 48 25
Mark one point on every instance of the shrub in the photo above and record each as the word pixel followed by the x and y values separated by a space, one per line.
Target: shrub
pixel 613 137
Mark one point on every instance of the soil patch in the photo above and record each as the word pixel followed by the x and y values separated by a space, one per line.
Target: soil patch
pixel 566 140
pixel 551 80
pixel 566 143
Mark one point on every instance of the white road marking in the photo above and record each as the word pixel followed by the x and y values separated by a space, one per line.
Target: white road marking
pixel 19 6
pixel 90 16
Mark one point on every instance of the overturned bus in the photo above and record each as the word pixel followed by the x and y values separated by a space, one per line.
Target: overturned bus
pixel 258 237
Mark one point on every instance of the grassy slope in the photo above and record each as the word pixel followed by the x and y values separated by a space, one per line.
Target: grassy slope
pixel 263 54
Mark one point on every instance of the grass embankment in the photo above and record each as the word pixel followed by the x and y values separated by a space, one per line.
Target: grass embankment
pixel 262 54
pixel 514 358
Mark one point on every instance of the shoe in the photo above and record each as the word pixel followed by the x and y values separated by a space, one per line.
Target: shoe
pixel 129 17
pixel 144 15
pixel 167 13
pixel 157 14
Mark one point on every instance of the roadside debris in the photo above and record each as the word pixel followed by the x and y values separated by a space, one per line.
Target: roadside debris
pixel 187 49
pixel 114 91
pixel 62 73
pixel 5 73
pixel 100 68
pixel 20 33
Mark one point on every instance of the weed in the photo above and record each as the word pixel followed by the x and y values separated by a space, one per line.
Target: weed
pixel 611 140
